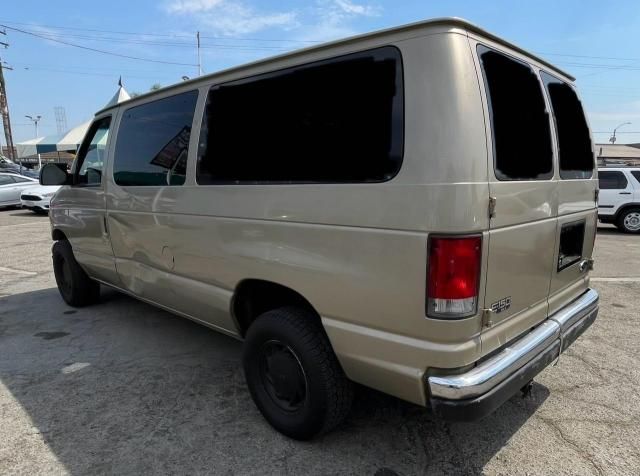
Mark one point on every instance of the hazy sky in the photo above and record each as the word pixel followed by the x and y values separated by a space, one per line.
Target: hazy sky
pixel 598 42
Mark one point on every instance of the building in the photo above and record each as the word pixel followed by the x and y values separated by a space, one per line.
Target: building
pixel 618 154
pixel 5 152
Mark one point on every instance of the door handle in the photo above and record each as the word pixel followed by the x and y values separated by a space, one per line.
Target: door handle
pixel 625 193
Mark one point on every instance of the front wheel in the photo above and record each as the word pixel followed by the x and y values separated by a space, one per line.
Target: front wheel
pixel 76 288
pixel 293 375
pixel 629 220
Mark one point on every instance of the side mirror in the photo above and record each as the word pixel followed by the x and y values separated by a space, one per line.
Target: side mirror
pixel 54 174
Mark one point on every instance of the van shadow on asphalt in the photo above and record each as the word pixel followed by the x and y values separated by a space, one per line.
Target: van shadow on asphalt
pixel 19 212
pixel 122 387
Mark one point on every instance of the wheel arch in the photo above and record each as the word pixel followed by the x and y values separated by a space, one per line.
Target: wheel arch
pixel 253 297
pixel 58 235
pixel 623 208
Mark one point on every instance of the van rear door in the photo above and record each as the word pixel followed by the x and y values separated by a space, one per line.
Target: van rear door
pixel 577 199
pixel 524 192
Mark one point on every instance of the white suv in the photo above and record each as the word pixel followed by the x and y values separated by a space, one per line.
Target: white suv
pixel 619 198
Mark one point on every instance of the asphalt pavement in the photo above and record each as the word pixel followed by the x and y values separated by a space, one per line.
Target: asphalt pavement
pixel 124 388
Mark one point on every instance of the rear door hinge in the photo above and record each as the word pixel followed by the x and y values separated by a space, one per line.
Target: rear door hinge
pixel 596 194
pixel 487 317
pixel 492 206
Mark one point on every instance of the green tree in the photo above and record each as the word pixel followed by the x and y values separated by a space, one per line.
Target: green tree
pixel 154 87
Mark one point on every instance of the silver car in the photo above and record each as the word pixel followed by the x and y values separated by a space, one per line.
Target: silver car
pixel 11 187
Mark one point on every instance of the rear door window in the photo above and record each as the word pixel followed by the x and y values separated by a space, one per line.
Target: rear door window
pixel 636 175
pixel 574 143
pixel 612 179
pixel 519 120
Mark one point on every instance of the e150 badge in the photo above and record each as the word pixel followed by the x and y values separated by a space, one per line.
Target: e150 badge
pixel 501 305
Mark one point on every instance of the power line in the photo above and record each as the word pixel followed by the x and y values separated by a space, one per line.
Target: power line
pixel 30 124
pixel 589 57
pixel 612 88
pixel 165 35
pixel 94 49
pixel 600 66
pixel 57 36
pixel 90 68
pixel 97 74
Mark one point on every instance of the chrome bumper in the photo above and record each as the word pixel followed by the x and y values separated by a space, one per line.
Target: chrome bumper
pixel 550 338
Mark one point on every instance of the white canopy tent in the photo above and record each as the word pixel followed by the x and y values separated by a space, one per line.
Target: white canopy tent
pixel 69 141
pixel 72 139
pixel 39 145
pixel 120 96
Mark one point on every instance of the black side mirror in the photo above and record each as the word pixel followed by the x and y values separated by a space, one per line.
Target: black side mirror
pixel 54 174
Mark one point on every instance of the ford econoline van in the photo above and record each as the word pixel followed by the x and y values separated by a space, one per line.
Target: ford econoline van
pixel 413 210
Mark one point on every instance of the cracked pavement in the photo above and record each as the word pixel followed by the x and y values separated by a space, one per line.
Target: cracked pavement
pixel 122 387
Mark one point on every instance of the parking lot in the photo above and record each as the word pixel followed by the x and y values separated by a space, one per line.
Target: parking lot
pixel 125 388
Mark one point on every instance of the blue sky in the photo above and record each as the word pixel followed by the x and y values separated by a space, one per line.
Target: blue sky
pixel 597 42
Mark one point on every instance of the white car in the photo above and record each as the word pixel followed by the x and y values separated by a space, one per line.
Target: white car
pixel 11 187
pixel 619 197
pixel 37 199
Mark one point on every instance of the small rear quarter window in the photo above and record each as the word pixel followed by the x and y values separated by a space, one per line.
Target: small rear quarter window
pixel 574 143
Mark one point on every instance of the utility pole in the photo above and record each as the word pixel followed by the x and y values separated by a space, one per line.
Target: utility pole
pixel 4 107
pixel 199 62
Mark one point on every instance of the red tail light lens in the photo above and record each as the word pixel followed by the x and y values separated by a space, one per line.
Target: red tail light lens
pixel 453 276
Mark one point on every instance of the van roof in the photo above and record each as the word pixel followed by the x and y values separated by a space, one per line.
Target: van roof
pixel 451 21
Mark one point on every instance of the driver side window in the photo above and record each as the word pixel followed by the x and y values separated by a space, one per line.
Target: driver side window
pixel 92 153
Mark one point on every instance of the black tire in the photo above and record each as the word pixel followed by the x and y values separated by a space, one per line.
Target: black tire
pixel 629 220
pixel 76 288
pixel 295 341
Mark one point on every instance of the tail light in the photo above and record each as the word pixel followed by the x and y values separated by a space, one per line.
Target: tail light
pixel 453 276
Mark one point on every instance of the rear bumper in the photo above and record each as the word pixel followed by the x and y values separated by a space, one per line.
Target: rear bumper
pixel 478 392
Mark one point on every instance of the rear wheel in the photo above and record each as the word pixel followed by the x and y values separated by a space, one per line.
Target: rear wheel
pixel 629 220
pixel 293 375
pixel 76 288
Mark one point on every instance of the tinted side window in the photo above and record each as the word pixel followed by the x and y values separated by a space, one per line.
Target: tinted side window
pixel 5 180
pixel 520 123
pixel 574 143
pixel 338 120
pixel 153 142
pixel 636 175
pixel 612 180
pixel 20 179
pixel 90 159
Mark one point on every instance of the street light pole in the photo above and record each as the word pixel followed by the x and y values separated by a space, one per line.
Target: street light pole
pixel 35 120
pixel 612 139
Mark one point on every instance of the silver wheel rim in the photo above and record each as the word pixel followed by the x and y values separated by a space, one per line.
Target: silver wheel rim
pixel 632 221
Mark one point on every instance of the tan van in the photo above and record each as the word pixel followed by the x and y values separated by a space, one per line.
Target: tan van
pixel 413 210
